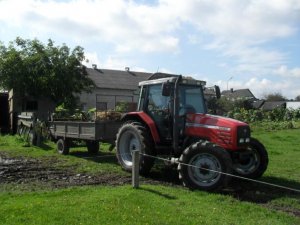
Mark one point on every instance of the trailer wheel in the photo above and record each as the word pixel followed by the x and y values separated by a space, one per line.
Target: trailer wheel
pixel 204 158
pixel 93 147
pixel 134 136
pixel 253 162
pixel 62 146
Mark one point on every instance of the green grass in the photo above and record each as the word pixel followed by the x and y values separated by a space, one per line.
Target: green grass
pixel 155 204
pixel 125 205
pixel 284 152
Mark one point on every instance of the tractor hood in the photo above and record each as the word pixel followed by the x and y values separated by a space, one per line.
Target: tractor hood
pixel 226 132
pixel 213 121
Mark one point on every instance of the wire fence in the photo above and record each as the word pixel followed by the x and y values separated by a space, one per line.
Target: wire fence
pixel 202 168
pixel 227 174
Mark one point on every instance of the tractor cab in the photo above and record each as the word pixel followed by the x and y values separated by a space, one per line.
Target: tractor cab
pixel 162 101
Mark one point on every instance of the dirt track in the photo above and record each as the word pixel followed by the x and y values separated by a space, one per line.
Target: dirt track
pixel 23 171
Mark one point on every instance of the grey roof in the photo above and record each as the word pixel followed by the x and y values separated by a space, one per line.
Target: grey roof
pixel 258 104
pixel 273 105
pixel 240 93
pixel 117 79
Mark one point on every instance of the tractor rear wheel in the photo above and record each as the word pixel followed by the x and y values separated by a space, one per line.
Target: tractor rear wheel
pixel 200 164
pixel 253 162
pixel 134 136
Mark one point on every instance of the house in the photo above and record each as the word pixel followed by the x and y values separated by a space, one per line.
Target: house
pixel 112 88
pixel 239 94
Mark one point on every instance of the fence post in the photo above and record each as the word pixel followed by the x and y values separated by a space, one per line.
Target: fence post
pixel 135 168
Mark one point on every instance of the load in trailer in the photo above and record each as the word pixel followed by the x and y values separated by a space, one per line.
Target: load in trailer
pixel 172 120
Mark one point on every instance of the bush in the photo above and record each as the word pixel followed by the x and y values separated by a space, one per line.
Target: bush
pixel 276 119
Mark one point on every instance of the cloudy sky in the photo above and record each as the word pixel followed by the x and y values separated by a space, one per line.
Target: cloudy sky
pixel 236 44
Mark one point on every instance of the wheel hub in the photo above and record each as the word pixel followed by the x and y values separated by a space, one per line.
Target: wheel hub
pixel 128 143
pixel 248 162
pixel 202 169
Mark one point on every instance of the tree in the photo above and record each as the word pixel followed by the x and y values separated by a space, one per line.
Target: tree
pixel 272 97
pixel 34 69
pixel 297 98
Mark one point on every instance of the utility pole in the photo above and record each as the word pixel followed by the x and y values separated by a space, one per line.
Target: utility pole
pixel 228 82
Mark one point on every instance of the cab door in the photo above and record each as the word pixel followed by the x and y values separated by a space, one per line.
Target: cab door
pixel 158 107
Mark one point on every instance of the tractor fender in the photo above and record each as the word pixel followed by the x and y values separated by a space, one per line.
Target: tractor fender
pixel 145 119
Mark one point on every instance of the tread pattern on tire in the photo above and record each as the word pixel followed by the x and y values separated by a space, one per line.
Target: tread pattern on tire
pixel 263 157
pixel 147 146
pixel 209 148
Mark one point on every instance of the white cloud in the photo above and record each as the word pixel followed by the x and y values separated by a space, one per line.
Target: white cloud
pixel 91 58
pixel 239 29
pixel 262 86
pixel 284 71
pixel 127 25
pixel 236 30
pixel 235 25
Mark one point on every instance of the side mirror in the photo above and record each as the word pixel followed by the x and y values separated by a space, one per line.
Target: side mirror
pixel 218 92
pixel 166 89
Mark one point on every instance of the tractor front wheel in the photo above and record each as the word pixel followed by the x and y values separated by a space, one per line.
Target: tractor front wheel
pixel 204 166
pixel 252 162
pixel 134 136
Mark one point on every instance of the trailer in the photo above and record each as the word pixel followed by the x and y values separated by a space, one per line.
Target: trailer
pixel 64 132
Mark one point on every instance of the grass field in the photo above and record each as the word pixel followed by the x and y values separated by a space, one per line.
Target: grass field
pixel 160 203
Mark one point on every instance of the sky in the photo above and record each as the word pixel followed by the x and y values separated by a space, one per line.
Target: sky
pixel 235 44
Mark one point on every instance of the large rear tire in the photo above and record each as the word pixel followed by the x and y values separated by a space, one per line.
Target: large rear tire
pixel 253 162
pixel 204 158
pixel 134 136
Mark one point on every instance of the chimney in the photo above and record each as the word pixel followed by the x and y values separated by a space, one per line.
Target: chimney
pixel 94 66
pixel 127 68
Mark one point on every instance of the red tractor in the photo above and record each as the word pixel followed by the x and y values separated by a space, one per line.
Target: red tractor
pixel 172 120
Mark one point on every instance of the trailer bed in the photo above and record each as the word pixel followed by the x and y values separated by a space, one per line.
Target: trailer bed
pixel 104 131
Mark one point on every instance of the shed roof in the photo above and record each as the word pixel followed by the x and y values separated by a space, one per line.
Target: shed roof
pixel 273 105
pixel 258 104
pixel 117 79
pixel 239 93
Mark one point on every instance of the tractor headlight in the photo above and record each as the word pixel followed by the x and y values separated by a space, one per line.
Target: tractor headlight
pixel 243 135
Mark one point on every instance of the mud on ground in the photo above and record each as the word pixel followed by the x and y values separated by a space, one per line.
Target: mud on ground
pixel 22 170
